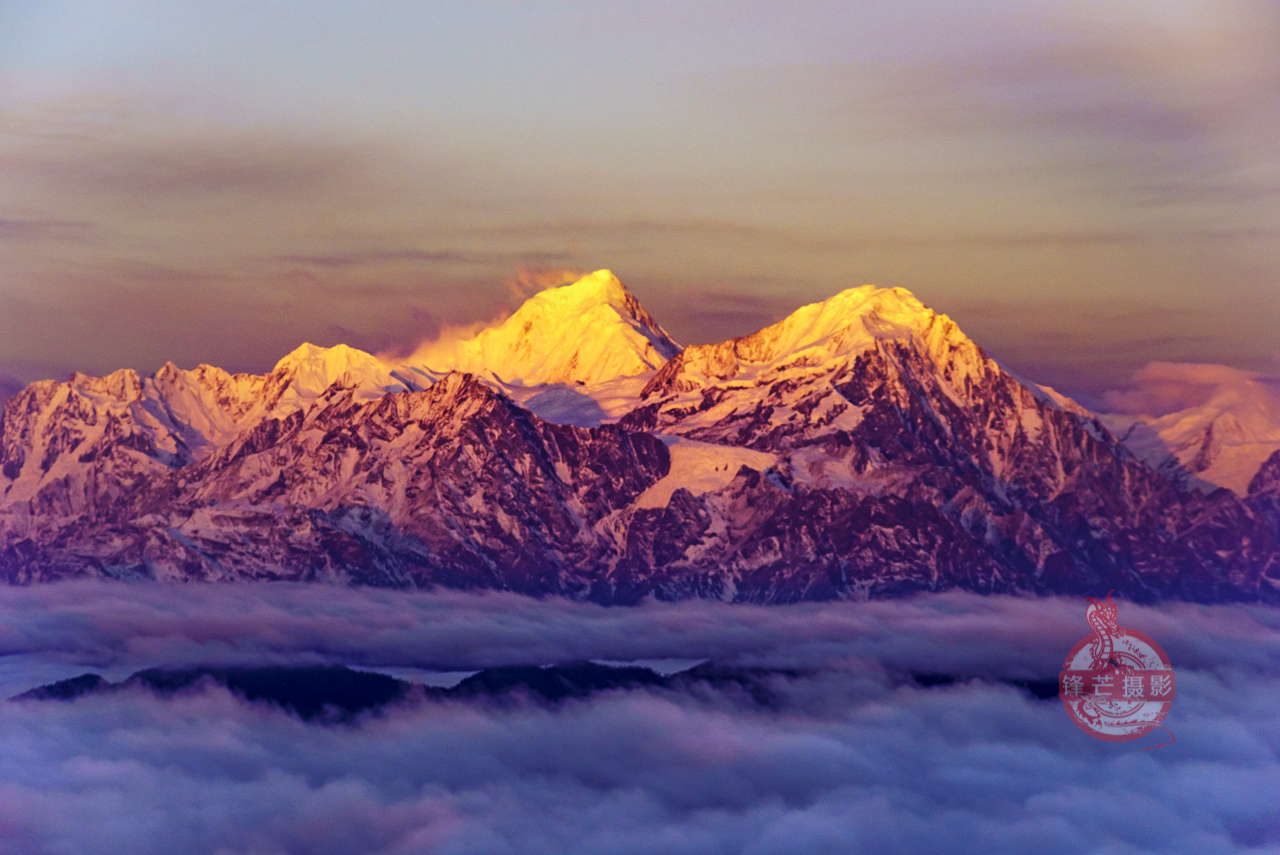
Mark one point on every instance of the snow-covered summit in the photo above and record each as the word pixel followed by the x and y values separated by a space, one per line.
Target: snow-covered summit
pixel 304 375
pixel 590 331
pixel 815 335
pixel 1223 424
pixel 128 425
pixel 846 322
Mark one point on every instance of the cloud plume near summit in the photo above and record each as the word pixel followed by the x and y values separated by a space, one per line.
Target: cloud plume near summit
pixel 854 757
pixel 528 281
pixel 521 285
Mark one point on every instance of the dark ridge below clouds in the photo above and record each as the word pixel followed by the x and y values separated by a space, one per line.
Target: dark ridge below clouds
pixel 90 624
pixel 853 759
pixel 336 694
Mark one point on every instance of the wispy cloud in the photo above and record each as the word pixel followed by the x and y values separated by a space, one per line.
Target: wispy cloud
pixel 1159 388
pixel 528 281
pixel 1090 347
pixel 379 257
pixel 716 312
pixel 42 229
pixel 148 164
pixel 1135 109
pixel 375 257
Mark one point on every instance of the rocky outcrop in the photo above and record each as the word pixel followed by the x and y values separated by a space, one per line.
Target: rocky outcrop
pixel 453 485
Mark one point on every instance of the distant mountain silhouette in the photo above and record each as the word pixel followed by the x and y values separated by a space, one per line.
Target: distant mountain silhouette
pixel 340 695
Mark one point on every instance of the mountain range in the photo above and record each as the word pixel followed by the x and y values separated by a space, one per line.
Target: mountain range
pixel 861 447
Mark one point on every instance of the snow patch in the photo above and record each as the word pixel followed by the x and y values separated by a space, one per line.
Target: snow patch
pixel 700 467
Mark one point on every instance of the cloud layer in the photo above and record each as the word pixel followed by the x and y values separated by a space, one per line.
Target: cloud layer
pixel 855 759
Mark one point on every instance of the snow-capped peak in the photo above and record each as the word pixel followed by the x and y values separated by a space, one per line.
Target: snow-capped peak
pixel 303 376
pixel 847 323
pixel 590 331
pixel 1218 424
pixel 851 320
pixel 309 370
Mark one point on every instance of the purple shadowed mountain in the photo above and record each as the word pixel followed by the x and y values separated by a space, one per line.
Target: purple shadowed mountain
pixel 862 447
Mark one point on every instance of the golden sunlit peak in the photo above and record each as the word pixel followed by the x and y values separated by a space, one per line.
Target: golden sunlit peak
pixel 600 284
pixel 588 331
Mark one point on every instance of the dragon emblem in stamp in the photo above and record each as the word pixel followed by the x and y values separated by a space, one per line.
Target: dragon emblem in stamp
pixel 1116 683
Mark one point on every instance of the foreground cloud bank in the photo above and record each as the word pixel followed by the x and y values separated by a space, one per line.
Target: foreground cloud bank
pixel 855 759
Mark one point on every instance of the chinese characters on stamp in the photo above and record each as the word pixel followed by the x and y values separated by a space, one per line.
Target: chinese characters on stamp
pixel 1116 684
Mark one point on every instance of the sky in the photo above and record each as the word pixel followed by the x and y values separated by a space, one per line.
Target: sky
pixel 850 755
pixel 1085 187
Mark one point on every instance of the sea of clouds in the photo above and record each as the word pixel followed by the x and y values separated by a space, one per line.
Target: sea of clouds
pixel 855 757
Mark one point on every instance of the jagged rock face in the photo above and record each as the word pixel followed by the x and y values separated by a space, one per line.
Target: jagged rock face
pixel 1264 500
pixel 896 405
pixel 81 448
pixel 453 485
pixel 887 454
pixel 473 481
pixel 76 448
pixel 1267 481
pixel 762 540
